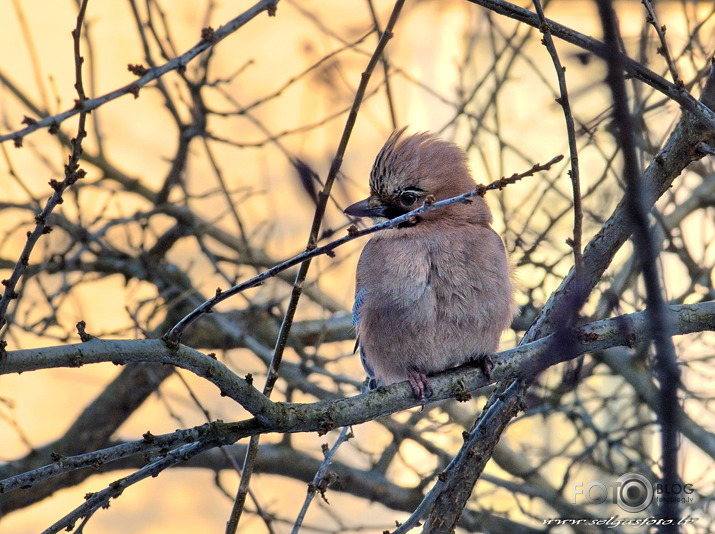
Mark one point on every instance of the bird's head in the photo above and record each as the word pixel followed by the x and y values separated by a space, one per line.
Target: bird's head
pixel 409 170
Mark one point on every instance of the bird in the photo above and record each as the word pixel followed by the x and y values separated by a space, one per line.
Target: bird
pixel 436 291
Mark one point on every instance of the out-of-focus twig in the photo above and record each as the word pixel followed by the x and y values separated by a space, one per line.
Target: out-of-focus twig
pixel 666 365
pixel 632 67
pixel 663 49
pixel 680 149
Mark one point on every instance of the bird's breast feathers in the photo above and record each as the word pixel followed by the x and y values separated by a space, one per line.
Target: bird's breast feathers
pixel 443 274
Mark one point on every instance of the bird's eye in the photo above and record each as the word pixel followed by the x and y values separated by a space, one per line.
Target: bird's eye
pixel 408 198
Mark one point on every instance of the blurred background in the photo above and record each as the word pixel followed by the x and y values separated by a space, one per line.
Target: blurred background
pixel 195 184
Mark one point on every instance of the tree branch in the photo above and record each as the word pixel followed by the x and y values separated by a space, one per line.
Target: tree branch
pixel 523 361
pixel 322 416
pixel 665 365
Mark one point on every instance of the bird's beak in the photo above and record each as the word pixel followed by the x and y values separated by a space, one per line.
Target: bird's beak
pixel 363 209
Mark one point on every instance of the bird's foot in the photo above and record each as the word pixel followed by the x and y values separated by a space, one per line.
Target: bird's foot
pixel 368 384
pixel 421 386
pixel 485 363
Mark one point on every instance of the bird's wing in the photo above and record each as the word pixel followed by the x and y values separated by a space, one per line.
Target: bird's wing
pixel 359 299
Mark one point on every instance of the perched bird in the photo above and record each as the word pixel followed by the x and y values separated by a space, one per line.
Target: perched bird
pixel 437 292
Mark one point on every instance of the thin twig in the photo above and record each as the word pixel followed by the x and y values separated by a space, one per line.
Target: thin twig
pixel 97 459
pixel 632 67
pixel 297 77
pixel 677 152
pixel 150 75
pixel 322 478
pixel 32 52
pixel 575 242
pixel 663 49
pixel 385 68
pixel 100 499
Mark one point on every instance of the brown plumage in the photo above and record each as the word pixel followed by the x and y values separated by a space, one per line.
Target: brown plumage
pixel 435 294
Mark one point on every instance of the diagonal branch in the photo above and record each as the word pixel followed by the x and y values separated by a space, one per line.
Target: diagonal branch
pixel 467 466
pixel 94 501
pixel 73 172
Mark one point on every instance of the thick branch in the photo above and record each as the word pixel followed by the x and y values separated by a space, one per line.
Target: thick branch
pixel 121 352
pixel 523 361
pixel 323 416
pixel 462 473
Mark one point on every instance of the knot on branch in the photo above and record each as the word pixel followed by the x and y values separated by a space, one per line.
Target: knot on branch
pixel 323 484
pixel 81 330
pixel 138 69
pixel 326 425
pixel 171 343
pixel 208 35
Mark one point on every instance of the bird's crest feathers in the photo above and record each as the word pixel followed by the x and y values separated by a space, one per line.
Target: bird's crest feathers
pixel 421 163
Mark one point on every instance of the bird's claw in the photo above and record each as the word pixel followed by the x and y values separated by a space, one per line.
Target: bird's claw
pixel 421 387
pixel 485 363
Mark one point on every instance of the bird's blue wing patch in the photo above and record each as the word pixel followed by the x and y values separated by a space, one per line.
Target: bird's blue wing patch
pixel 359 299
